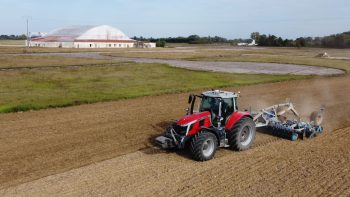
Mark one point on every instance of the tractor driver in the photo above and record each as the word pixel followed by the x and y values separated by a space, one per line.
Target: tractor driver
pixel 214 106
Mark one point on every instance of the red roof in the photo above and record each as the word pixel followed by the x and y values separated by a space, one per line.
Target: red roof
pixel 54 39
pixel 71 39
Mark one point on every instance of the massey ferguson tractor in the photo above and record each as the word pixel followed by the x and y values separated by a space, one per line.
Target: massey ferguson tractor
pixel 216 122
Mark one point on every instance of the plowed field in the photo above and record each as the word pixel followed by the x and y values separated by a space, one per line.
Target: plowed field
pixel 106 148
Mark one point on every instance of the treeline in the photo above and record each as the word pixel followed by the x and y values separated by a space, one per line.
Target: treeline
pixel 192 39
pixel 341 40
pixel 13 37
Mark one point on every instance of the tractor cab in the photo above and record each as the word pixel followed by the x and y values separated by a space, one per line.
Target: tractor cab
pixel 220 104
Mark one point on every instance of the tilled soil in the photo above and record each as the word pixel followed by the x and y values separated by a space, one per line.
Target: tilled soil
pixel 318 167
pixel 55 141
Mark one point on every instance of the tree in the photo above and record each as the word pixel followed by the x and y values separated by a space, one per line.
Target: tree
pixel 262 40
pixel 271 40
pixel 279 42
pixel 160 43
pixel 300 42
pixel 255 36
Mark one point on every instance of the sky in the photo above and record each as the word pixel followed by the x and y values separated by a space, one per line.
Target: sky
pixel 170 18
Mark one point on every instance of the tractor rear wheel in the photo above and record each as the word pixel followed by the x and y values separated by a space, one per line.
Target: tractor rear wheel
pixel 203 146
pixel 242 134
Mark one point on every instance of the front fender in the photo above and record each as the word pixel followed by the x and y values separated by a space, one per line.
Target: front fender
pixel 236 116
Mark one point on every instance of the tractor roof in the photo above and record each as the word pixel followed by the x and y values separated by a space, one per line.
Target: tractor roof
pixel 219 94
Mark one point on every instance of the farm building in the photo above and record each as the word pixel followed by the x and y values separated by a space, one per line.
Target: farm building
pixel 103 36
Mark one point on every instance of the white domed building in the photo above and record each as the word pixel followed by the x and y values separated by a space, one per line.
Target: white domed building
pixel 102 36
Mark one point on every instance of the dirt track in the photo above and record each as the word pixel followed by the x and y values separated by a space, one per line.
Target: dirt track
pixel 230 67
pixel 54 141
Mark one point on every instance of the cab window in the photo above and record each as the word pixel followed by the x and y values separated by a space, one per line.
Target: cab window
pixel 227 107
pixel 209 104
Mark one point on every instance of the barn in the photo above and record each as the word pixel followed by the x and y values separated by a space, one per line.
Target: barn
pixel 102 36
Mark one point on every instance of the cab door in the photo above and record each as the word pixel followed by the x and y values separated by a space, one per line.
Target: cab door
pixel 227 108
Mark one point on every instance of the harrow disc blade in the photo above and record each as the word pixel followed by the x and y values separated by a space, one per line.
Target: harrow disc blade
pixel 280 130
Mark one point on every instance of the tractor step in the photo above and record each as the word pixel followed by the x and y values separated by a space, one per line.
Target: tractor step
pixel 224 143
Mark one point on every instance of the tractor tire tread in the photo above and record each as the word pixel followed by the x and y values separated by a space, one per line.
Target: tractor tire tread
pixel 235 131
pixel 196 145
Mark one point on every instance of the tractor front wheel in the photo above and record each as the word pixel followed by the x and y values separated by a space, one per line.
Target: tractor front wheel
pixel 242 134
pixel 203 146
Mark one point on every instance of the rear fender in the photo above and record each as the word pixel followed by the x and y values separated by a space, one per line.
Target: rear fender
pixel 236 116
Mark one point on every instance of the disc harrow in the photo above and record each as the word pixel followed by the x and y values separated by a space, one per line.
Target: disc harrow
pixel 284 121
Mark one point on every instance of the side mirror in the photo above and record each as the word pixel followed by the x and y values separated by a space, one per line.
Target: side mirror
pixel 190 98
pixel 187 111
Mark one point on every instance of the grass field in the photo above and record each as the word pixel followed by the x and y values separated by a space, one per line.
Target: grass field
pixel 9 61
pixel 62 81
pixel 25 89
pixel 12 42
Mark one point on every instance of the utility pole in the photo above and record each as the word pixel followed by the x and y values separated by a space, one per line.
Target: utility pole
pixel 27 32
pixel 27 23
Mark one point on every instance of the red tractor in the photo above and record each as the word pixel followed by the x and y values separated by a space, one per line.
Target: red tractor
pixel 216 122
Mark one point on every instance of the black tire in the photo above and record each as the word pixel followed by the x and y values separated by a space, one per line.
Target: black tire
pixel 200 148
pixel 239 138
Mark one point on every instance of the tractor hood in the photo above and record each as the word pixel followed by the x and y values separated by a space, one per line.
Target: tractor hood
pixel 193 117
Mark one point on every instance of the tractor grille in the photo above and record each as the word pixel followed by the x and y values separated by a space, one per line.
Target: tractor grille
pixel 181 130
